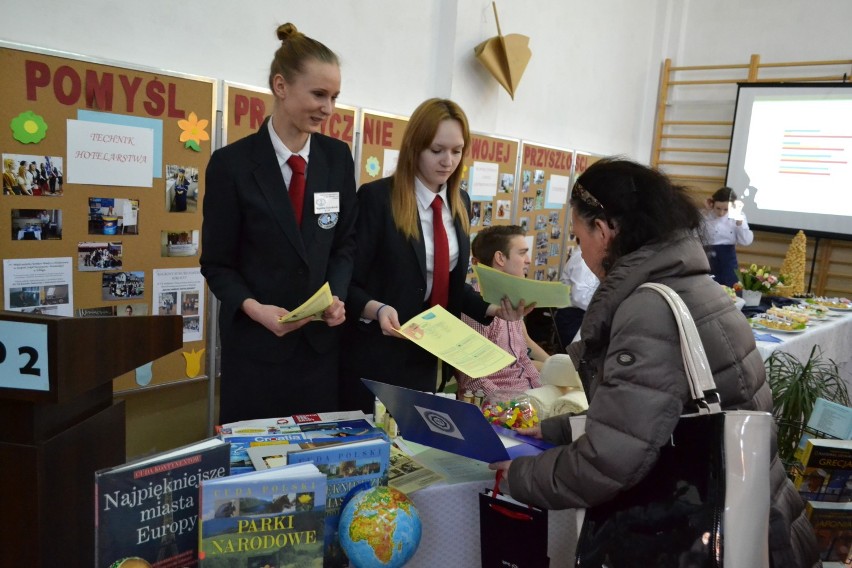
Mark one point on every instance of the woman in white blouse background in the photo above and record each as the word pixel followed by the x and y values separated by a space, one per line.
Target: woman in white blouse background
pixel 725 227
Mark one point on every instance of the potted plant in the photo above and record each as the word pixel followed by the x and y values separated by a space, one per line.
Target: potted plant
pixel 795 387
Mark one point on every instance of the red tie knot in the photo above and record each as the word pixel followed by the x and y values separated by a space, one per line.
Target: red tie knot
pixel 297 164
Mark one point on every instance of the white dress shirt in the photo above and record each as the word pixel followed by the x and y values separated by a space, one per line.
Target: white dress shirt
pixel 583 282
pixel 725 231
pixel 283 153
pixel 425 196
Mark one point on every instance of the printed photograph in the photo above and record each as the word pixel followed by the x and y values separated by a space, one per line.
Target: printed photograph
pixel 524 223
pixel 504 209
pixel 24 174
pixel 166 304
pixel 179 243
pixel 552 274
pixel 133 310
pixel 527 204
pixel 92 257
pixel 36 224
pixel 121 285
pixel 191 324
pixel 189 303
pixel 181 189
pixel 540 222
pixel 113 216
pixel 539 176
pixel 476 213
pixel 507 183
pixel 486 221
pixel 38 299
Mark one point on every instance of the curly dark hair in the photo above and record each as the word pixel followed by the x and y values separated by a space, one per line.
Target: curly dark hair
pixel 641 202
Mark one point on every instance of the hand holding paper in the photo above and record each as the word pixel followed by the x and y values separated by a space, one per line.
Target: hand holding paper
pixel 313 306
pixel 442 334
pixel 494 285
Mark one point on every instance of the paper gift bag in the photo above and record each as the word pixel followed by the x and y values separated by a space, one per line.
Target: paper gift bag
pixel 511 534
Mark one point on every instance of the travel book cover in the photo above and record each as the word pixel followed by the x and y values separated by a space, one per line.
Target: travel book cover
pixel 824 470
pixel 274 517
pixel 832 523
pixel 307 436
pixel 148 508
pixel 350 468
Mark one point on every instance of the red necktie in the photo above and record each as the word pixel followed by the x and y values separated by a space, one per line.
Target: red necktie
pixel 297 185
pixel 441 267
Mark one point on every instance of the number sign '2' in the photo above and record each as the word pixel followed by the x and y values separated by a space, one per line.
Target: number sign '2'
pixel 23 356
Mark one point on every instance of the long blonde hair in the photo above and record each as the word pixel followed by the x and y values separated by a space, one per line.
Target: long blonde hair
pixel 419 134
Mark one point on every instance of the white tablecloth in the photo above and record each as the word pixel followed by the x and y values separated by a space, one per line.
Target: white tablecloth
pixel 450 518
pixel 833 335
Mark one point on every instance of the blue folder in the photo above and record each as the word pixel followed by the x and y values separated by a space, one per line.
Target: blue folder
pixel 452 425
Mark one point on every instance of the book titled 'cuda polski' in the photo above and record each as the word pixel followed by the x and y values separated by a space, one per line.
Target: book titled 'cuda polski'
pixel 148 508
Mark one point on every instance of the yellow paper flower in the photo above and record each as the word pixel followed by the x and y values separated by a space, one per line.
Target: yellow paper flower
pixel 193 131
pixel 29 128
pixel 193 362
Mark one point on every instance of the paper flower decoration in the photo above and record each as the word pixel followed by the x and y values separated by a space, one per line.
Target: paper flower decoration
pixel 372 166
pixel 193 362
pixel 29 128
pixel 193 132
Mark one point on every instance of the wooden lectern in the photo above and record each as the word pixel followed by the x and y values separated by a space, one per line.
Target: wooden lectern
pixel 59 424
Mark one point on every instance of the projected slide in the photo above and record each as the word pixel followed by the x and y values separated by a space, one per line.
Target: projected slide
pixel 791 156
pixel 797 144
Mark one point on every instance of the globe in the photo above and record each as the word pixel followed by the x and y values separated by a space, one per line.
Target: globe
pixel 379 528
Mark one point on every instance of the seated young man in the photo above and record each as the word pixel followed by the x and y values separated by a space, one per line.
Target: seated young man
pixel 504 248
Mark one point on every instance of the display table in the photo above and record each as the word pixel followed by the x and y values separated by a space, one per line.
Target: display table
pixel 449 514
pixel 833 335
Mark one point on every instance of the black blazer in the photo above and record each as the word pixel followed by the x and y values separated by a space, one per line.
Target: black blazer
pixel 253 248
pixel 391 269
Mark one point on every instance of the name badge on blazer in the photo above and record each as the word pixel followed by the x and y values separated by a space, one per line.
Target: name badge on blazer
pixel 327 202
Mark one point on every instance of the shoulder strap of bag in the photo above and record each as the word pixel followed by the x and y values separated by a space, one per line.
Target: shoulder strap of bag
pixel 701 383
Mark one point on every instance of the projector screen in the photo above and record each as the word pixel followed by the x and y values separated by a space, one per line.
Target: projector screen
pixel 791 157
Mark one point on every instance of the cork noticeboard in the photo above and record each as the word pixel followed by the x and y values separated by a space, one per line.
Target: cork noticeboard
pixel 381 138
pixel 247 107
pixel 84 211
pixel 582 160
pixel 490 177
pixel 543 205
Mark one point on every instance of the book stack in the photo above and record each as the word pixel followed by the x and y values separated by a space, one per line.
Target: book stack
pixel 823 476
pixel 346 447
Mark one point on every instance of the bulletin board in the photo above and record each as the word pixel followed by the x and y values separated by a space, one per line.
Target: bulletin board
pixel 543 205
pixel 247 107
pixel 112 225
pixel 381 137
pixel 489 177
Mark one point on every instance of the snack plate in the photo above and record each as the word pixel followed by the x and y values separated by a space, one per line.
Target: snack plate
pixel 759 325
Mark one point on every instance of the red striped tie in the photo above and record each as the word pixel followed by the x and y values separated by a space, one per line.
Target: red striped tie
pixel 297 185
pixel 441 268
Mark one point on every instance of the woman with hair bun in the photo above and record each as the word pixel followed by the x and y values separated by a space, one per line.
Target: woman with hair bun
pixel 279 218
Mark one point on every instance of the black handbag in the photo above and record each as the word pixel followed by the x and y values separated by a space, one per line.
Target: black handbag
pixel 511 533
pixel 705 503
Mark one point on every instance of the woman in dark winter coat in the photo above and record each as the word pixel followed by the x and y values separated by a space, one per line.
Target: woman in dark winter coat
pixel 634 226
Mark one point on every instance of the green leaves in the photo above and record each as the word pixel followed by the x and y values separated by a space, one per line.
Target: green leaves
pixel 795 387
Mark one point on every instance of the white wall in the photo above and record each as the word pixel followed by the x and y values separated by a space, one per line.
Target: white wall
pixel 591 83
